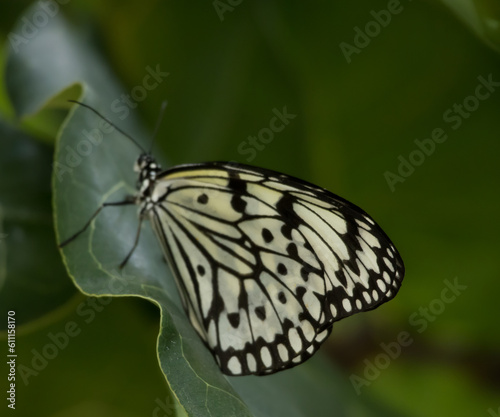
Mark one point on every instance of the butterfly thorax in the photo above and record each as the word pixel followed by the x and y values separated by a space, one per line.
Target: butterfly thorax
pixel 148 170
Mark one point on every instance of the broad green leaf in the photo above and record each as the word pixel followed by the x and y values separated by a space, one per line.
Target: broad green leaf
pixel 32 279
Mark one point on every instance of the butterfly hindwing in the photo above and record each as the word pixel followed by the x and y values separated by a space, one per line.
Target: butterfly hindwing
pixel 265 262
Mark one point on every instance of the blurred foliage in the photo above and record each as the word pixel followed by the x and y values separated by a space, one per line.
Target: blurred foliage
pixel 357 118
pixel 26 231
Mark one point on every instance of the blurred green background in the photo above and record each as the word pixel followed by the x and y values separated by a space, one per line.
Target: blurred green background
pixel 363 104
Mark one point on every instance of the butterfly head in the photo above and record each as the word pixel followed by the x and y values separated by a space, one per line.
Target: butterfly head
pixel 148 169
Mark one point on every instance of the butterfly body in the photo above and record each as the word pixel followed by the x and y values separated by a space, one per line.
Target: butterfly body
pixel 265 263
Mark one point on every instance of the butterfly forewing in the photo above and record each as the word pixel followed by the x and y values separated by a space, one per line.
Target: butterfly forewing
pixel 265 262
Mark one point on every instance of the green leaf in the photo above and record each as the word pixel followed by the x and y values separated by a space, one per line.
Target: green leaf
pixel 77 367
pixel 32 280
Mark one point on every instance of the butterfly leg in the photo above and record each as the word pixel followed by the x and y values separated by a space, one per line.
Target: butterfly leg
pixel 128 200
pixel 135 244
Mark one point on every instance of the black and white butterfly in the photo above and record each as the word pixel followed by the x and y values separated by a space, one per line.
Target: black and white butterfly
pixel 265 263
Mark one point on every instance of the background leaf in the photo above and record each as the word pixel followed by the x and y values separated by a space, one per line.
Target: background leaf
pixel 33 282
pixel 482 17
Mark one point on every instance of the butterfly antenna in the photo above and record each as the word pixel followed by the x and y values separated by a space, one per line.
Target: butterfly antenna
pixel 111 123
pixel 158 122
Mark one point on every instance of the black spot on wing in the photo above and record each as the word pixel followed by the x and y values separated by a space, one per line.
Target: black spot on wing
pixel 304 273
pixel 287 213
pixel 234 319
pixel 260 312
pixel 282 269
pixel 286 231
pixel 202 198
pixel 238 204
pixel 282 297
pixel 267 235
pixel 292 250
pixel 235 183
pixel 239 189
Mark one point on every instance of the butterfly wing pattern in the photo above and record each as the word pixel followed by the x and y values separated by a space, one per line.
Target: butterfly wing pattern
pixel 264 262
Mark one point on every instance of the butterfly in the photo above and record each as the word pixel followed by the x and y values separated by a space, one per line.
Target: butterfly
pixel 264 262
